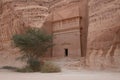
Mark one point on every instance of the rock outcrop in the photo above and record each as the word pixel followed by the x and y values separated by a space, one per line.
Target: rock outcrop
pixel 104 33
pixel 15 17
pixel 10 23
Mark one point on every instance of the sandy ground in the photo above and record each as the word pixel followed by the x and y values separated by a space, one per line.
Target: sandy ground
pixel 64 75
pixel 69 72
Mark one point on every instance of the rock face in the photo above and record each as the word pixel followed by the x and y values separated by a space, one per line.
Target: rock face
pixel 15 17
pixel 104 33
pixel 103 49
pixel 10 23
pixel 32 13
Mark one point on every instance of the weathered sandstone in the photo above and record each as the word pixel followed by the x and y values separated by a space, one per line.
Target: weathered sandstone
pixel 104 34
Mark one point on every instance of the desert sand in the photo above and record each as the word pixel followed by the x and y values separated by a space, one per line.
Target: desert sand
pixel 69 72
pixel 64 75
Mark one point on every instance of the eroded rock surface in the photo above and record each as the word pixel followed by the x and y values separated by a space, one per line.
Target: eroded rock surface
pixel 15 17
pixel 104 34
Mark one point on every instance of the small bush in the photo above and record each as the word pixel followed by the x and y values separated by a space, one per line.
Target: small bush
pixel 34 64
pixel 49 67
pixel 9 67
pixel 25 69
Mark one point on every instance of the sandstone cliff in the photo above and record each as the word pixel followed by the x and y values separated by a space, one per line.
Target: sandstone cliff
pixel 15 17
pixel 10 23
pixel 103 33
pixel 19 13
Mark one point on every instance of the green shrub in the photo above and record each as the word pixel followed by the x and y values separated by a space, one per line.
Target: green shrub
pixel 34 64
pixel 25 69
pixel 33 45
pixel 49 67
pixel 9 67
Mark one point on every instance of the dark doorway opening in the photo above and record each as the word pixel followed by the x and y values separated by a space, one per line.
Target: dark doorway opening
pixel 66 52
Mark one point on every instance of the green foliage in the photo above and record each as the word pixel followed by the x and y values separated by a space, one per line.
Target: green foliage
pixel 25 69
pixel 49 67
pixel 33 43
pixel 34 64
pixel 9 67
